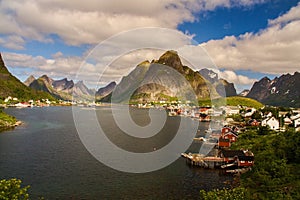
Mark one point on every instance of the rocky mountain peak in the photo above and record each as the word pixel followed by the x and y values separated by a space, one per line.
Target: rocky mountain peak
pixel 145 63
pixel 46 79
pixel 63 84
pixel 265 79
pixel 171 58
pixel 80 83
pixel 29 80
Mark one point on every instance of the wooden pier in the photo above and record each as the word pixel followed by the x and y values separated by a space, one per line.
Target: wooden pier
pixel 202 161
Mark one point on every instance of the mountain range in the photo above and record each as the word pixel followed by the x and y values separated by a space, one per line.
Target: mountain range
pixel 282 91
pixel 152 81
pixel 62 89
pixel 163 79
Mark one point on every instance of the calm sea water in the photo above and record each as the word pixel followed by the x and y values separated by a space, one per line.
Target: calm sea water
pixel 47 154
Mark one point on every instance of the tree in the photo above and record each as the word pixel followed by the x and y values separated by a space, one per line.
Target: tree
pixel 239 193
pixel 11 190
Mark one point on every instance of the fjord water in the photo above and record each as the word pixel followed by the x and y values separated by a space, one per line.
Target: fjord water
pixel 47 154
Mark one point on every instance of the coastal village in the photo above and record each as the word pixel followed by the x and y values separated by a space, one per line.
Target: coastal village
pixel 237 119
pixel 247 116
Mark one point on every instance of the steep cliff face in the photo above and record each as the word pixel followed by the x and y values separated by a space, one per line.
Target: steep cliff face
pixel 29 80
pixel 104 91
pixel 224 85
pixel 282 91
pixel 63 85
pixel 260 89
pixel 127 86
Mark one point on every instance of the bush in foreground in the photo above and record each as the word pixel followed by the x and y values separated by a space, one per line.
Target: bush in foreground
pixel 238 193
pixel 11 190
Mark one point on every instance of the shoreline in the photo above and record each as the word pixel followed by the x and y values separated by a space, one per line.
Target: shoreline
pixel 8 127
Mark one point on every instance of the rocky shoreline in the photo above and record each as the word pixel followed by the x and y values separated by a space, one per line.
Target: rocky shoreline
pixel 8 121
pixel 9 126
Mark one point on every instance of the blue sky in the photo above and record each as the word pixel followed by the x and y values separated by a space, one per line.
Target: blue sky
pixel 246 39
pixel 235 21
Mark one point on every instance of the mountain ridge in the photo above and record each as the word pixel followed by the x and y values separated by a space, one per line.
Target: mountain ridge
pixel 62 89
pixel 281 91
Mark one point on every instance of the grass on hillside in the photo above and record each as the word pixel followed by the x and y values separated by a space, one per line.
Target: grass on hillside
pixel 232 101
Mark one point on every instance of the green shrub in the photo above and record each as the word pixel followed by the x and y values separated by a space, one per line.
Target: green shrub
pixel 12 190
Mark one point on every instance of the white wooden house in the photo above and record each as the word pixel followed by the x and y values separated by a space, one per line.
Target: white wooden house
pixel 272 122
pixel 297 122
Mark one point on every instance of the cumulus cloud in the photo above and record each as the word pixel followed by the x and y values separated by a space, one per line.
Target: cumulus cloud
pixel 90 21
pixel 57 67
pixel 273 50
pixel 112 59
pixel 13 42
pixel 232 77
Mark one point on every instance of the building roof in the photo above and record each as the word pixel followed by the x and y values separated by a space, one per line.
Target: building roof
pixel 232 153
pixel 223 140
pixel 246 158
pixel 232 133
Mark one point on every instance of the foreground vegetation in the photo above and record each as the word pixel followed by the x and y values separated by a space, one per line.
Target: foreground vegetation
pixel 275 174
pixel 6 120
pixel 12 190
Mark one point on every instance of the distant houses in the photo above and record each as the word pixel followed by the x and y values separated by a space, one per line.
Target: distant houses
pixel 15 102
pixel 231 110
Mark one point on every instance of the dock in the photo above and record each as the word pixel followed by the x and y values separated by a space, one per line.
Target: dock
pixel 203 161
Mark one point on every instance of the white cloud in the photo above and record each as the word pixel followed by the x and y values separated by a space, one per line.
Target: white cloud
pixel 232 77
pixel 13 42
pixel 292 15
pixel 90 21
pixel 274 50
pixel 40 65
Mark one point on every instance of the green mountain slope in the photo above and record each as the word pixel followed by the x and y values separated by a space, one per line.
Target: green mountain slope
pixel 11 86
pixel 233 101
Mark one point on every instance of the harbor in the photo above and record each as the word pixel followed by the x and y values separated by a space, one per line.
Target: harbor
pixel 221 156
